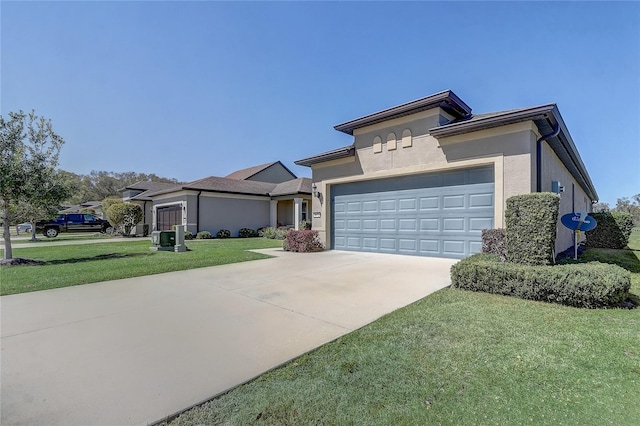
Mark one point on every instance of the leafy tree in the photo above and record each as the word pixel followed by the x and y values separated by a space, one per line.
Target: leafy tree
pixel 99 185
pixel 29 150
pixel 124 216
pixel 109 201
pixel 601 207
pixel 631 206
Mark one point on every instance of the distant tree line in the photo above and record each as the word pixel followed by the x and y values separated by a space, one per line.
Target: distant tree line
pixel 625 205
pixel 98 185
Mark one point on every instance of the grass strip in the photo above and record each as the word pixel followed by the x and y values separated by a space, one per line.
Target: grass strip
pixel 68 265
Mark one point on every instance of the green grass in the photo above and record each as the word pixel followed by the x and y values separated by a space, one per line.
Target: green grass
pixel 68 265
pixel 458 358
pixel 83 236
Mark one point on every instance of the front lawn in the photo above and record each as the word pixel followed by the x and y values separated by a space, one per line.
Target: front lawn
pixel 459 358
pixel 68 265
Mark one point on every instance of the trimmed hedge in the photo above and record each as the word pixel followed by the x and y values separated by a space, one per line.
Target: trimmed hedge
pixel 493 241
pixel 587 285
pixel 302 241
pixel 613 230
pixel 531 221
pixel 204 235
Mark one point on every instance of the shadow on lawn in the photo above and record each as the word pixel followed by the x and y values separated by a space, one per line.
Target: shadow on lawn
pixel 98 257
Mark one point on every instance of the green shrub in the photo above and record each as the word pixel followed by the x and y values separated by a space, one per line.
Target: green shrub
pixel 223 233
pixel 204 235
pixel 306 241
pixel 274 233
pixel 188 235
pixel 531 221
pixel 493 241
pixel 587 285
pixel 613 230
pixel 305 225
pixel 247 233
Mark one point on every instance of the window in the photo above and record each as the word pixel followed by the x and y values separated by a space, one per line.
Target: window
pixel 303 210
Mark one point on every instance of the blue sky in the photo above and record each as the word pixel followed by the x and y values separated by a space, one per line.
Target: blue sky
pixel 193 89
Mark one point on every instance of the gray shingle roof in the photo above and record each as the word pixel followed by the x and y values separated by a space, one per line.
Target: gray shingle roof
pixel 249 171
pixel 220 184
pixel 292 187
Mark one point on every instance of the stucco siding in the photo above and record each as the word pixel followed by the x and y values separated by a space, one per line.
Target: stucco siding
pixel 274 174
pixel 574 198
pixel 218 213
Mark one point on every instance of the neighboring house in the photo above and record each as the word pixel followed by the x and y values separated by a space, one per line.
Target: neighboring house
pixel 424 178
pixel 256 197
pixel 96 206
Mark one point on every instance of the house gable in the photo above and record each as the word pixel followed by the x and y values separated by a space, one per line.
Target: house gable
pixel 274 172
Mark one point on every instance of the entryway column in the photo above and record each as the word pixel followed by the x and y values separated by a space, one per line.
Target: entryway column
pixel 297 213
pixel 273 214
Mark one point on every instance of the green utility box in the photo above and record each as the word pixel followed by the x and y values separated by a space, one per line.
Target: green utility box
pixel 163 240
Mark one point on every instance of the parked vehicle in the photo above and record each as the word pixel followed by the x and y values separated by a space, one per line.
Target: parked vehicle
pixel 24 227
pixel 73 222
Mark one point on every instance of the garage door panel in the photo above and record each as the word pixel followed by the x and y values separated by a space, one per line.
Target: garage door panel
pixel 432 224
pixel 431 247
pixel 407 205
pixel 408 224
pixel 430 203
pixel 453 247
pixel 481 200
pixel 453 224
pixel 430 220
pixel 480 223
pixel 453 201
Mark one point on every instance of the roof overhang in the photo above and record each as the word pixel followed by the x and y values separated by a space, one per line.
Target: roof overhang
pixel 447 100
pixel 344 152
pixel 546 118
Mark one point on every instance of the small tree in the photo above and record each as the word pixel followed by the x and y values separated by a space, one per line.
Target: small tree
pixel 29 150
pixel 124 216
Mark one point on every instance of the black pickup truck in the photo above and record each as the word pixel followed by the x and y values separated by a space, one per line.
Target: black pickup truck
pixel 73 222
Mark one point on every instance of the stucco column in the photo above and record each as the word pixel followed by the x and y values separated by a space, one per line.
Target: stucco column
pixel 273 214
pixel 297 213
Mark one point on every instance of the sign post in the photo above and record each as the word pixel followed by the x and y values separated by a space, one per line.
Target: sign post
pixel 578 221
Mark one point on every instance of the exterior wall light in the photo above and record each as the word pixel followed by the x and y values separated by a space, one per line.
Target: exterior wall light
pixel 314 189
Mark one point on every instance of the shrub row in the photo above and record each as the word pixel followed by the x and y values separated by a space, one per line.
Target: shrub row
pixel 302 242
pixel 274 233
pixel 587 285
pixel 613 230
pixel 247 233
pixel 531 221
pixel 223 233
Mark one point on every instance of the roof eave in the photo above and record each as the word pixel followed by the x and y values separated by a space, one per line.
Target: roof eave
pixel 460 128
pixel 344 152
pixel 446 100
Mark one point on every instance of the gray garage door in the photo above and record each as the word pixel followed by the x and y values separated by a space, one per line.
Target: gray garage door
pixel 437 214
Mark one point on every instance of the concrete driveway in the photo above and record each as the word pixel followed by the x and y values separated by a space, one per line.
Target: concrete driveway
pixel 136 350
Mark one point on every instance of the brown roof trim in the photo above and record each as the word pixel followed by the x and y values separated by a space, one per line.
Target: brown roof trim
pixel 344 152
pixel 544 117
pixel 446 100
pixel 487 121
